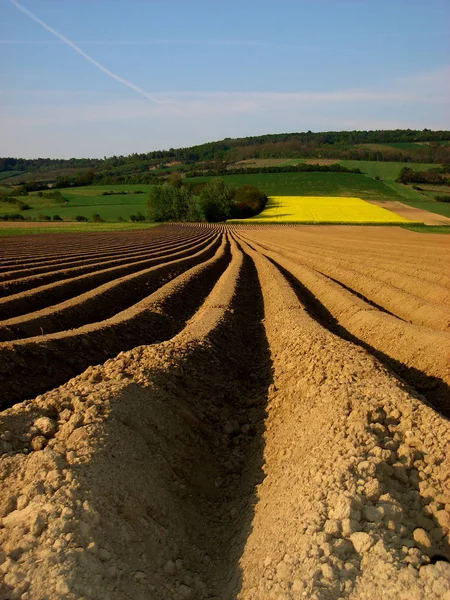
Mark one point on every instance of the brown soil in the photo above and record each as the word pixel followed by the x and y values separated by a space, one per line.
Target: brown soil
pixel 274 447
pixel 413 214
pixel 320 161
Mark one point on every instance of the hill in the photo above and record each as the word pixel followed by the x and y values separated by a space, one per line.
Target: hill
pixel 384 145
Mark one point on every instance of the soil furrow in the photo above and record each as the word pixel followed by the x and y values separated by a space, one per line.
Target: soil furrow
pixel 88 252
pixel 390 299
pixel 106 299
pixel 411 282
pixel 417 354
pixel 192 410
pixel 422 266
pixel 13 287
pixel 35 365
pixel 248 438
pixel 51 294
pixel 81 260
pixel 355 466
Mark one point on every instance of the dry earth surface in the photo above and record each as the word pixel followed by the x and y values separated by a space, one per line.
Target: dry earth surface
pixel 212 412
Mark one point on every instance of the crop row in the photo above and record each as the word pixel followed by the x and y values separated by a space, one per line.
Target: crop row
pixel 253 420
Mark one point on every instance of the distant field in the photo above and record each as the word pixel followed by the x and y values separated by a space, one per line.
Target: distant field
pixel 282 162
pixel 439 208
pixel 32 228
pixel 86 201
pixel 8 174
pixel 89 200
pixel 322 209
pixel 97 190
pixel 387 171
pixel 419 146
pixel 313 184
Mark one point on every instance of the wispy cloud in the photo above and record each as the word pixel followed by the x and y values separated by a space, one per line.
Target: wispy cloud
pixel 98 123
pixel 183 42
pixel 49 108
pixel 81 52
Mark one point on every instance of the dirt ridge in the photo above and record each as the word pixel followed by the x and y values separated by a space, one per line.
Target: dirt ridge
pixel 244 439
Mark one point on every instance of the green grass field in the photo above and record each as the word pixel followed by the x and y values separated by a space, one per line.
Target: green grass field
pixel 85 201
pixel 75 228
pixel 388 173
pixel 7 174
pixel 443 229
pixel 312 184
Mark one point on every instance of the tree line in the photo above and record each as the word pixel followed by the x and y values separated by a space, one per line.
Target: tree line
pixel 217 202
pixel 438 176
pixel 300 168
pixel 287 144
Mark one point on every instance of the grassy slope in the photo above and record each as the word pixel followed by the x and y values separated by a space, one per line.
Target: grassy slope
pixel 86 201
pixel 76 228
pixel 313 184
pixel 8 174
pixel 388 173
pixel 444 229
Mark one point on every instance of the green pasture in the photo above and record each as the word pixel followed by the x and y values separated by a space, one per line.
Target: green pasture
pixel 75 228
pixel 388 173
pixel 443 229
pixel 7 174
pixel 85 201
pixel 312 184
pixel 97 190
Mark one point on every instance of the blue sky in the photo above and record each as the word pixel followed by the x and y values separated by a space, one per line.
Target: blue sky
pixel 159 74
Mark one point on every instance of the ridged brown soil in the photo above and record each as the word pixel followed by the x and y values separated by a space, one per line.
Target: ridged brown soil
pixel 274 446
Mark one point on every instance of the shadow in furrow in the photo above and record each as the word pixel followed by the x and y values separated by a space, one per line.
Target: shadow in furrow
pixel 362 297
pixel 435 390
pixel 201 419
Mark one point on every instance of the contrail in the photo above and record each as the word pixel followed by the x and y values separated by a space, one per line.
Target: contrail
pixel 63 38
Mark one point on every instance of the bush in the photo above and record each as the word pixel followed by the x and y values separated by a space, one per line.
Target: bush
pixel 56 218
pixel 19 203
pixel 137 218
pixel 442 198
pixel 55 195
pixel 248 201
pixel 81 218
pixel 97 218
pixel 12 217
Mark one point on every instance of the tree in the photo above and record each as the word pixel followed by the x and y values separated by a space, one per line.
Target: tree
pixel 248 201
pixel 174 180
pixel 167 203
pixel 216 200
pixel 158 203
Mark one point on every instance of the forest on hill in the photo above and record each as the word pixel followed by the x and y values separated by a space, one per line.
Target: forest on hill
pixel 408 145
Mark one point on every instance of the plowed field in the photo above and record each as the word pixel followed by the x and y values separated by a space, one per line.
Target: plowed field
pixel 249 412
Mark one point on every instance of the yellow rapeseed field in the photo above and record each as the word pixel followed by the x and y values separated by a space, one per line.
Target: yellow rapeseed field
pixel 322 209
